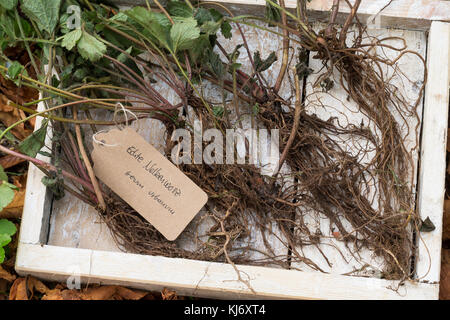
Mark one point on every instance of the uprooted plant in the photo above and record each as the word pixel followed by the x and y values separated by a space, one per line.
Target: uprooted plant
pixel 179 46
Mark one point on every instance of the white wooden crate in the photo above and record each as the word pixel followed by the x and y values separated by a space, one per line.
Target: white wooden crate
pixel 39 252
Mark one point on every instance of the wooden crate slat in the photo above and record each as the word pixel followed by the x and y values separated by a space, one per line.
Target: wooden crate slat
pixel 433 152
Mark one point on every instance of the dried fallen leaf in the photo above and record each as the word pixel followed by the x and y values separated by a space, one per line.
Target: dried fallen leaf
pixel 15 207
pixel 99 293
pixel 6 275
pixel 24 288
pixel 128 294
pixel 18 290
pixel 58 294
pixel 169 294
pixel 10 161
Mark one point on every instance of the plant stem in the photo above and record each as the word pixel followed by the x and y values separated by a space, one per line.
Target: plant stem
pixel 298 107
pixel 285 61
pixel 27 46
pixel 87 163
pixel 47 166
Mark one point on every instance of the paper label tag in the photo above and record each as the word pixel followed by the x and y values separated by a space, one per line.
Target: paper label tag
pixel 147 181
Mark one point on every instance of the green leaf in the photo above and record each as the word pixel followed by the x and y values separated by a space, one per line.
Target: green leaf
pixel 272 13
pixel 218 111
pixel 14 70
pixel 225 28
pixel 122 57
pixel 179 9
pixel 210 27
pixel 56 185
pixel 8 4
pixel 202 44
pixel 263 65
pixel 156 25
pixel 203 15
pixel 70 39
pixel 9 26
pixel 44 12
pixel 183 34
pixel 215 64
pixel 3 175
pixel 2 255
pixel 427 225
pixel 7 227
pixel 90 48
pixel 34 142
pixel 6 195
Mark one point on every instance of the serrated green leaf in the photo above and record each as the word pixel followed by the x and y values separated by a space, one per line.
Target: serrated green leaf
pixel 263 65
pixel 56 185
pixel 90 48
pixel 183 34
pixel 203 15
pixel 34 142
pixel 6 195
pixel 272 13
pixel 14 69
pixel 202 44
pixel 7 227
pixel 215 64
pixel 9 26
pixel 70 39
pixel 156 25
pixel 179 9
pixel 8 4
pixel 225 28
pixel 210 27
pixel 44 12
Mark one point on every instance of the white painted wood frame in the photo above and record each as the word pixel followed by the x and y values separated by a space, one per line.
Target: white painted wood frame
pixel 219 280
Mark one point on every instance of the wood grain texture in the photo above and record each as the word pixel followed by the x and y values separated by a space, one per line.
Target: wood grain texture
pixel 205 279
pixel 433 152
pixel 36 208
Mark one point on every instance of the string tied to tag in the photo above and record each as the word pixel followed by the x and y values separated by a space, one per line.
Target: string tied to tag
pixel 121 108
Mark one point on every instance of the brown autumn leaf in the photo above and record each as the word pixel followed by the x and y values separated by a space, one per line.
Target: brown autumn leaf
pixel 9 161
pixel 24 288
pixel 167 294
pixel 99 293
pixel 6 275
pixel 59 294
pixel 10 115
pixel 112 293
pixel 128 294
pixel 15 208
pixel 18 290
